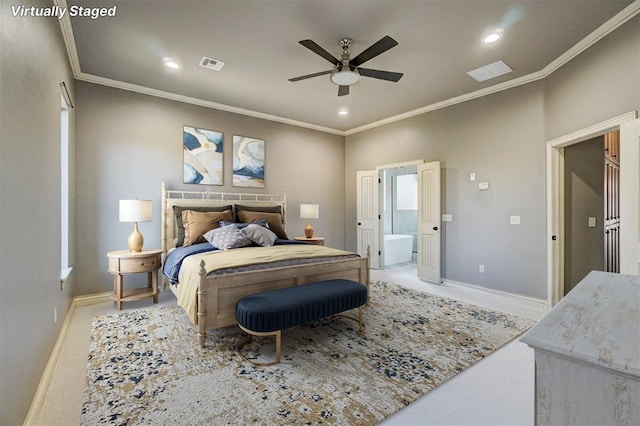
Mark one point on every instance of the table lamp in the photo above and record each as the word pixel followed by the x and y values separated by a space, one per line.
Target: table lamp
pixel 135 211
pixel 309 211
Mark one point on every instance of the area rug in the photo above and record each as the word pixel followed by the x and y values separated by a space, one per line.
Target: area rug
pixel 146 367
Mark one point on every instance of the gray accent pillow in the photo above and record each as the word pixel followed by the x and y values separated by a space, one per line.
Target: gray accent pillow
pixel 227 237
pixel 242 225
pixel 259 235
pixel 274 220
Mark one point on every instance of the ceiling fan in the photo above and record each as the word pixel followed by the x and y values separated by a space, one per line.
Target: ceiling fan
pixel 347 71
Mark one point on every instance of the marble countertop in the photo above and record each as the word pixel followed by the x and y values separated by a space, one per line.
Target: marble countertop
pixel 598 322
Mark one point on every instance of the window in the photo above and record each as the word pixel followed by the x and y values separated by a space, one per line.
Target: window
pixel 407 192
pixel 65 268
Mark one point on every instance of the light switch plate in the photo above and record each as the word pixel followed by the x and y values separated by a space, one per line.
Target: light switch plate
pixel 514 220
pixel 472 177
pixel 447 217
pixel 483 186
pixel 592 222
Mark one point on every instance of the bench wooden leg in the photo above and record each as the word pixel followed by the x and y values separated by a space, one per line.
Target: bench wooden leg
pixel 358 319
pixel 251 333
pixel 278 345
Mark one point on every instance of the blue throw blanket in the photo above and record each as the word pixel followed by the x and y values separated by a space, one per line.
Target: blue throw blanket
pixel 174 259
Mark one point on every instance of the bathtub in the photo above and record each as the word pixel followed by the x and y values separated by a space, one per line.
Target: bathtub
pixel 398 248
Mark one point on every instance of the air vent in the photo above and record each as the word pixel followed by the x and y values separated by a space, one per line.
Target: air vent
pixel 490 71
pixel 212 64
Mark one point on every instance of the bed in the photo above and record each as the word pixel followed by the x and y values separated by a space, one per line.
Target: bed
pixel 208 282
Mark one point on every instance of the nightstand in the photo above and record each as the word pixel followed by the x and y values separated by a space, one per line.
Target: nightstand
pixel 318 241
pixel 123 262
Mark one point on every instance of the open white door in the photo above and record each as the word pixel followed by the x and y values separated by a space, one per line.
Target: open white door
pixel 429 222
pixel 367 215
pixel 630 197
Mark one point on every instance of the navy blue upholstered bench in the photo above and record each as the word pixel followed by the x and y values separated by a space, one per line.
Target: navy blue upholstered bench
pixel 268 313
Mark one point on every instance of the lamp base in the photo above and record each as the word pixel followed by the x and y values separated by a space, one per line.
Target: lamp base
pixel 135 239
pixel 308 230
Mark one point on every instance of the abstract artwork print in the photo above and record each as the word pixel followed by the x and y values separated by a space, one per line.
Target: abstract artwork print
pixel 202 156
pixel 248 162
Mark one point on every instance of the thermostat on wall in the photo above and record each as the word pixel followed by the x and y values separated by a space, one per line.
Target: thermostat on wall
pixel 483 186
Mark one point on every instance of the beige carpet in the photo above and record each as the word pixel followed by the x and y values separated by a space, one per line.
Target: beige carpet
pixel 145 366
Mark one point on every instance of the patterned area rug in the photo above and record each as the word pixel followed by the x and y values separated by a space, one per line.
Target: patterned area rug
pixel 145 366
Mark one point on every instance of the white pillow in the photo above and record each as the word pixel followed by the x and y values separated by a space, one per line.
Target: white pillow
pixel 259 235
pixel 227 237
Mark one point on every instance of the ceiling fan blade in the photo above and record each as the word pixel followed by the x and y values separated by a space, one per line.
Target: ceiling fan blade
pixel 382 75
pixel 381 46
pixel 315 48
pixel 343 90
pixel 304 77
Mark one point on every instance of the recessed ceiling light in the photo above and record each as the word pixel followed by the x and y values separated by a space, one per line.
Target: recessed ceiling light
pixel 493 36
pixel 169 63
pixel 343 111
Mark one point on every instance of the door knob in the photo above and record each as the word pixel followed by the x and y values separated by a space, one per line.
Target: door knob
pixel 359 223
pixel 435 228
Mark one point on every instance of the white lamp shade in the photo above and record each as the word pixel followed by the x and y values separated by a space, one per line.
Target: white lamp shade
pixel 135 210
pixel 309 211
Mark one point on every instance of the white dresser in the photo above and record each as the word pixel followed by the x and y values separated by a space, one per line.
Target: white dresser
pixel 587 354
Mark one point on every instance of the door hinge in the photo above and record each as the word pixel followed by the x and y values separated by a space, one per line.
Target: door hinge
pixel 379 217
pixel 379 181
pixel 379 253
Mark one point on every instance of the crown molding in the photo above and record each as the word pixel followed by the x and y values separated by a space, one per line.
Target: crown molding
pixel 605 29
pixel 611 25
pixel 201 102
pixel 608 27
pixel 449 102
pixel 69 39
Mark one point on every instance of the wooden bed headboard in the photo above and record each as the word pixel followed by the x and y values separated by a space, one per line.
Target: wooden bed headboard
pixel 172 198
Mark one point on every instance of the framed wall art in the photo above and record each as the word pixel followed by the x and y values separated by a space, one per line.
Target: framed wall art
pixel 203 156
pixel 248 162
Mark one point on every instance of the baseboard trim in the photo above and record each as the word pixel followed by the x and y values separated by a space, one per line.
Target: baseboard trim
pixel 529 301
pixel 47 375
pixel 92 299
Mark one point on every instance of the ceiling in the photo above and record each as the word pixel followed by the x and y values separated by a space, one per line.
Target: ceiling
pixel 439 42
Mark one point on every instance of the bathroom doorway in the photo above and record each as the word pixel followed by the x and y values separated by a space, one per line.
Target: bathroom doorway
pixel 371 217
pixel 399 214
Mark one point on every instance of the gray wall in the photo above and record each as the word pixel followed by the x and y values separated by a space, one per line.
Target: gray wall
pixel 33 62
pixel 502 138
pixel 498 138
pixel 584 197
pixel 597 85
pixel 128 143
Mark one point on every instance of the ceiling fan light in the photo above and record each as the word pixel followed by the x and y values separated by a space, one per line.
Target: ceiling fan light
pixel 345 78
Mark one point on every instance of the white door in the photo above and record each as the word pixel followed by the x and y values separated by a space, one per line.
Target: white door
pixel 429 222
pixel 367 216
pixel 630 197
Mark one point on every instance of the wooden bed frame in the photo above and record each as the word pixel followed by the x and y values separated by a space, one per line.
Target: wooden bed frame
pixel 218 294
